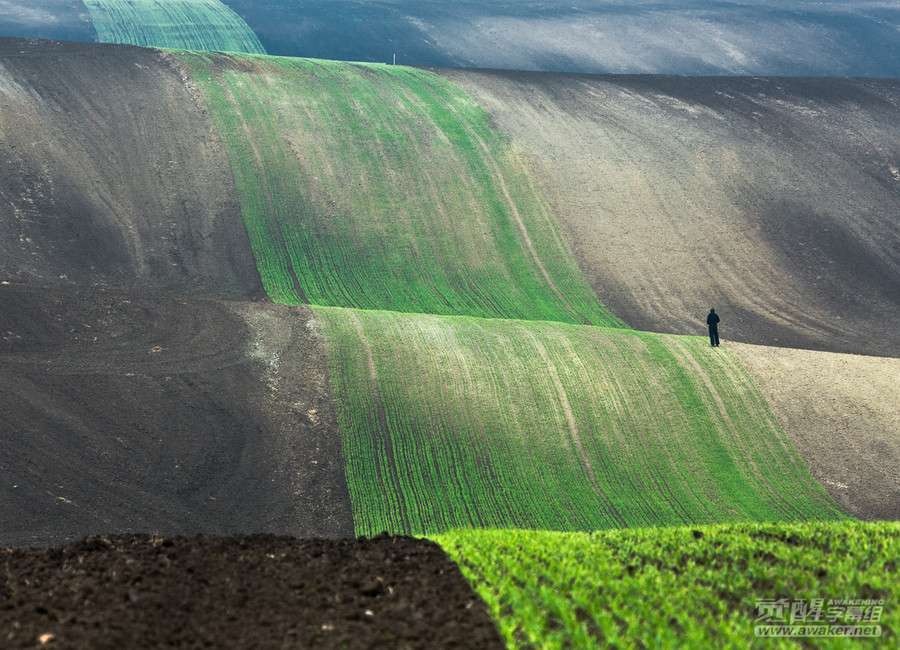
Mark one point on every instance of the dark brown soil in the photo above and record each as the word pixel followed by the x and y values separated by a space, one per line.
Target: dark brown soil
pixel 242 593
pixel 124 413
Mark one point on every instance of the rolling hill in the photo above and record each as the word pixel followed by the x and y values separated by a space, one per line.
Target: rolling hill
pixel 245 294
pixel 453 422
pixel 581 199
pixel 112 175
pixel 775 200
pixel 204 178
pixel 340 209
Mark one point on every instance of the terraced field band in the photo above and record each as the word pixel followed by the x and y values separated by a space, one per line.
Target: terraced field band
pixel 454 422
pixel 385 187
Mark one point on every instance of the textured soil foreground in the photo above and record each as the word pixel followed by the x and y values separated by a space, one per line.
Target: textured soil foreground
pixel 251 592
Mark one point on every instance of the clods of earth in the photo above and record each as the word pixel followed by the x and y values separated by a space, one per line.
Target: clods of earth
pixel 242 592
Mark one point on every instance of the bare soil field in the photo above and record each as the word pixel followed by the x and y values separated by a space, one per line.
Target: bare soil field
pixel 111 174
pixel 773 200
pixel 126 413
pixel 843 414
pixel 239 593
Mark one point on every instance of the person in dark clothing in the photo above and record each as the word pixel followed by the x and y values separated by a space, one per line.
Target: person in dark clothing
pixel 712 320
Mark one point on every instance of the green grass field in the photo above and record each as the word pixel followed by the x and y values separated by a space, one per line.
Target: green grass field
pixel 451 422
pixel 185 24
pixel 386 187
pixel 693 587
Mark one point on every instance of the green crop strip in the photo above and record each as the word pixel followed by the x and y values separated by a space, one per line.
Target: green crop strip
pixel 385 187
pixel 450 422
pixel 674 587
pixel 185 24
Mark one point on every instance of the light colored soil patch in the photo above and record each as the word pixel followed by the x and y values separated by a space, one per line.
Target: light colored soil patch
pixel 764 198
pixel 843 414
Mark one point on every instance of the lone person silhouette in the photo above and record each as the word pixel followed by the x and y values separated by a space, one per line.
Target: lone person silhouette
pixel 712 320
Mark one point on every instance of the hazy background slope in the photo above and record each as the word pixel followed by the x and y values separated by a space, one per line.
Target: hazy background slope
pixel 188 24
pixel 67 20
pixel 783 37
pixel 647 36
pixel 775 200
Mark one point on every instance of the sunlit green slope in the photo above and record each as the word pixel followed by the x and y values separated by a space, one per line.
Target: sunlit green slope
pixel 694 587
pixel 386 187
pixel 454 422
pixel 186 24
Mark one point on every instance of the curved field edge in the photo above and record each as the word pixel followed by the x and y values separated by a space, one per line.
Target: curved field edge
pixel 452 422
pixel 677 587
pixel 184 24
pixel 387 187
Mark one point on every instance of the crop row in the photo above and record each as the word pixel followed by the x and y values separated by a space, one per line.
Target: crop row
pixel 386 187
pixel 694 587
pixel 184 24
pixel 451 422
